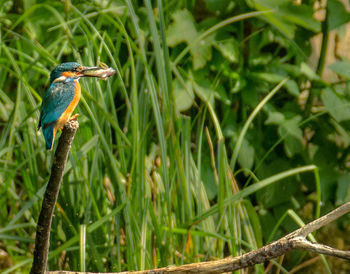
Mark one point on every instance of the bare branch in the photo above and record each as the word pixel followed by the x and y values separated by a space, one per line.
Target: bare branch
pixel 302 243
pixel 294 240
pixel 42 239
pixel 322 221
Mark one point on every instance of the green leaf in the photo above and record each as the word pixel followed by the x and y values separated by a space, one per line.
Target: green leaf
pixel 274 117
pixel 201 52
pixel 341 137
pixel 254 219
pixel 202 88
pixel 293 140
pixel 269 77
pixel 292 145
pixel 337 14
pixel 221 94
pixel 292 88
pixel 246 155
pixel 343 190
pixel 183 96
pixel 337 106
pixel 268 222
pixel 287 16
pixel 228 49
pixel 308 72
pixel 301 15
pixel 328 179
pixel 220 6
pixel 288 128
pixel 292 126
pixel 204 93
pixel 183 29
pixel 342 68
pixel 207 176
pixel 275 194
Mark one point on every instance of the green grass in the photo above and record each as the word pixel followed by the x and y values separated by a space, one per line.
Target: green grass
pixel 146 185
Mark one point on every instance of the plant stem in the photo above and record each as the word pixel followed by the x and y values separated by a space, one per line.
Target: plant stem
pixel 321 62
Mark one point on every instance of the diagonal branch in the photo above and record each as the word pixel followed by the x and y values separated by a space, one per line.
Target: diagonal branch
pixel 302 243
pixel 322 221
pixel 294 240
pixel 42 239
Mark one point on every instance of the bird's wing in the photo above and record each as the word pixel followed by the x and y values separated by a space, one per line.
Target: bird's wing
pixel 55 102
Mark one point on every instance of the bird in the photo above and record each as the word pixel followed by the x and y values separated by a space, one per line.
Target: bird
pixel 63 96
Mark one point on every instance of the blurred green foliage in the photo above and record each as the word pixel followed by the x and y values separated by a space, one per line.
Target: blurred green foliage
pixel 214 130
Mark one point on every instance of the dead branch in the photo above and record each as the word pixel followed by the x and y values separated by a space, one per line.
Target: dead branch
pixel 42 239
pixel 295 240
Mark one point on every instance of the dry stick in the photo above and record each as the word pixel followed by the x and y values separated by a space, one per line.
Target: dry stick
pixel 304 264
pixel 294 240
pixel 42 239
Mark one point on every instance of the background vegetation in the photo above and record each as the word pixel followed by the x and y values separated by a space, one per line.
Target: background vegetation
pixel 217 135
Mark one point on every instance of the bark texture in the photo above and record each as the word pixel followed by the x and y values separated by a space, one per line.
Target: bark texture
pixel 42 239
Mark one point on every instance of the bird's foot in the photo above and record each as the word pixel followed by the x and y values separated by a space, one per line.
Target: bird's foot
pixel 74 117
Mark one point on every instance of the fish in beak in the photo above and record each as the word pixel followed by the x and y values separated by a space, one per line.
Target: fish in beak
pixel 102 71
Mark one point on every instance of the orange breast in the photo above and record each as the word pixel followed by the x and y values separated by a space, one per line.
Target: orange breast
pixel 68 112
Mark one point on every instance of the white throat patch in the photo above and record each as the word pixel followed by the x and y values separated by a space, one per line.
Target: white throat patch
pixel 60 79
pixel 65 79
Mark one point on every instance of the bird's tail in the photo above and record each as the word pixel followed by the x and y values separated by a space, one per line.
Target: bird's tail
pixel 49 134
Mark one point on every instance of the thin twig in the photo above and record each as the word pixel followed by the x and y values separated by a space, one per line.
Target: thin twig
pixel 305 264
pixel 42 239
pixel 294 240
pixel 322 221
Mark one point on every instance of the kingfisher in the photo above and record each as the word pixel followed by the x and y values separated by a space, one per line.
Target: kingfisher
pixel 63 96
